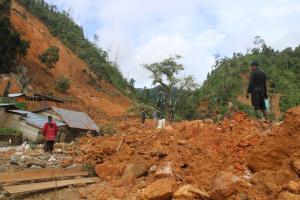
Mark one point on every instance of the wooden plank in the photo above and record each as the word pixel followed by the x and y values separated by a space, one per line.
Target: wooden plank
pixel 33 187
pixel 29 175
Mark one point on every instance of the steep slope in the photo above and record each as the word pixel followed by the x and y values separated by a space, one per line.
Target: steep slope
pixel 87 93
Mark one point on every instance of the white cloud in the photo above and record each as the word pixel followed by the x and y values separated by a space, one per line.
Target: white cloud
pixel 143 31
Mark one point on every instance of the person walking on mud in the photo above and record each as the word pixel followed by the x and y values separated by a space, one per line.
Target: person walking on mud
pixel 49 131
pixel 258 90
pixel 143 116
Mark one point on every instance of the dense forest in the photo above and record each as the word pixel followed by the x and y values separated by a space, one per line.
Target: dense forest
pixel 62 26
pixel 224 83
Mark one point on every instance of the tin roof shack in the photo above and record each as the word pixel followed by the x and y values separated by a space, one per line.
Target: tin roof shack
pixel 78 123
pixel 30 124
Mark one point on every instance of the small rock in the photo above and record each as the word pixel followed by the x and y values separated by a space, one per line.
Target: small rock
pixel 135 170
pixel 294 187
pixel 35 167
pixel 208 120
pixel 152 169
pixel 181 142
pixel 164 171
pixel 13 160
pixel 190 192
pixel 159 190
pixel 296 166
pixel 288 196
pixel 158 153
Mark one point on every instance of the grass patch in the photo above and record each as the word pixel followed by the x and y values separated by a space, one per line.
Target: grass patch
pixel 10 132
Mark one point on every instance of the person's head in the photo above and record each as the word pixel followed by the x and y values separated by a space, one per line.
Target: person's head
pixel 254 65
pixel 49 118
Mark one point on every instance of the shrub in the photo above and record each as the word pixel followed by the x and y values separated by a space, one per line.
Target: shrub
pixel 62 84
pixel 50 57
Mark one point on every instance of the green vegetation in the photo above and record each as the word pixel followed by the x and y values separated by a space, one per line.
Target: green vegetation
pixel 62 84
pixel 224 83
pixel 62 26
pixel 165 74
pixel 50 57
pixel 10 132
pixel 21 105
pixel 108 129
pixel 12 47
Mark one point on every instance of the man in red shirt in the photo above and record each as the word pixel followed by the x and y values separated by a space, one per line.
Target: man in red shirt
pixel 50 131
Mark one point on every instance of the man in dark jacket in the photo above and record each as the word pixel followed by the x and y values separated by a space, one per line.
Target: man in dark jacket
pixel 258 88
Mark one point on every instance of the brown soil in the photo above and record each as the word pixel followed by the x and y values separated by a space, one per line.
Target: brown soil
pixel 199 153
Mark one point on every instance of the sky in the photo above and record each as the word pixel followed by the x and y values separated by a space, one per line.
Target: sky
pixel 136 32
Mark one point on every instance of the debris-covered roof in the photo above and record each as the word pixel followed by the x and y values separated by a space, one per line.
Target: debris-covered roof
pixel 75 119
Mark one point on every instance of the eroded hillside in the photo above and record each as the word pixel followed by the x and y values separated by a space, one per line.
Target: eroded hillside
pixel 87 92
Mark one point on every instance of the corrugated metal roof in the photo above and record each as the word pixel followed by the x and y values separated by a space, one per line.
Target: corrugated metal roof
pixel 6 104
pixel 75 119
pixel 39 120
pixel 21 112
pixel 35 119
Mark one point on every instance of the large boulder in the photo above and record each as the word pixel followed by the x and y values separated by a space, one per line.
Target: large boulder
pixel 161 189
pixel 224 185
pixel 277 149
pixel 108 170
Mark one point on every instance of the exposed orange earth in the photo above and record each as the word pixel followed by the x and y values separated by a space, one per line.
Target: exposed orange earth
pixel 106 102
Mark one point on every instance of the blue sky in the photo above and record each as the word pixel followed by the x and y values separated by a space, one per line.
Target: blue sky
pixel 144 31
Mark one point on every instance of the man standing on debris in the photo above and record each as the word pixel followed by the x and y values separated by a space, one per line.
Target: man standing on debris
pixel 258 89
pixel 49 131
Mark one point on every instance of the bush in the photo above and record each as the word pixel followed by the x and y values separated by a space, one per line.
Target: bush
pixel 10 132
pixel 62 84
pixel 50 57
pixel 108 129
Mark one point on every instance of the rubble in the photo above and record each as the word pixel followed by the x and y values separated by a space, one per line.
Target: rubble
pixel 190 192
pixel 159 190
pixel 234 159
pixel 294 187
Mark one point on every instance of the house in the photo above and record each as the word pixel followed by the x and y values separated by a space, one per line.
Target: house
pixel 71 124
pixel 30 124
pixel 78 123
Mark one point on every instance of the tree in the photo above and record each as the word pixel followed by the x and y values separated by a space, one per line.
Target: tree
pixel 132 82
pixel 50 57
pixel 23 77
pixel 165 74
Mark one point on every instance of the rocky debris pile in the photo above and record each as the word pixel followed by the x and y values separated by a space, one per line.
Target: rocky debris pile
pixel 26 156
pixel 276 161
pixel 188 160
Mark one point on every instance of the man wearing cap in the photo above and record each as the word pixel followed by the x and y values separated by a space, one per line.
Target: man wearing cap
pixel 258 89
